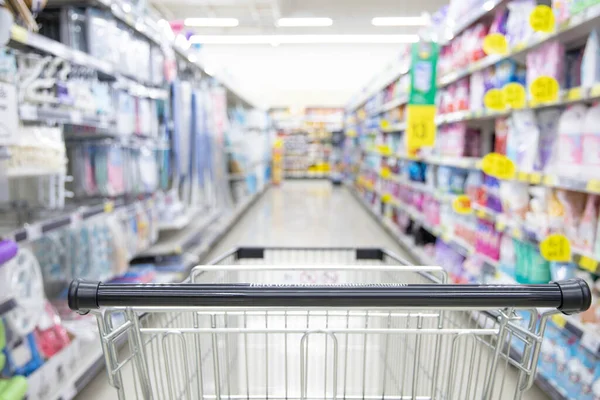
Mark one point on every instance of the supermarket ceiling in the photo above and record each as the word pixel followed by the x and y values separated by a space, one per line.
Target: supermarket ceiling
pixel 260 16
pixel 295 74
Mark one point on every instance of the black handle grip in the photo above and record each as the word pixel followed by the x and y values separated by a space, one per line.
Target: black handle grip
pixel 568 296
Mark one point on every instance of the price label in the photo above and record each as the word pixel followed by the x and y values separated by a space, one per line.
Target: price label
pixel 588 264
pixel 384 149
pixel 541 19
pixel 462 204
pixel 559 320
pixel 481 214
pixel 514 95
pixel 549 180
pixel 386 198
pixel 535 178
pixel 544 90
pixel 556 247
pixel 109 207
pixel 593 186
pixel 522 176
pixel 351 133
pixel 517 233
pixel 498 165
pixel 18 34
pixel 494 100
pixel 574 94
pixel 384 124
pixel 495 43
pixel 385 173
pixel 362 114
pixel 595 90
pixel 420 129
pixel 500 226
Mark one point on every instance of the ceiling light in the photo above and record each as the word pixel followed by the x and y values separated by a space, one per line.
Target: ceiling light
pixel 302 39
pixel 399 21
pixel 291 22
pixel 212 22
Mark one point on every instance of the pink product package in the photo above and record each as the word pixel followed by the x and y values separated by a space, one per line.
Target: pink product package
pixel 473 143
pixel 547 60
pixel 455 139
pixel 461 95
pixel 431 210
pixel 418 201
pixel 488 240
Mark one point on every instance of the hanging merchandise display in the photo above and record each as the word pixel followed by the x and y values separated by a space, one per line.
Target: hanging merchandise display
pixel 509 190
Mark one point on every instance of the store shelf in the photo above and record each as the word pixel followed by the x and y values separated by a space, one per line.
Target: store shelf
pixel 33 113
pixel 486 9
pixel 578 27
pixel 35 230
pixel 566 97
pixel 390 105
pixel 180 222
pixel 21 37
pixel 589 338
pixel 380 81
pixel 182 240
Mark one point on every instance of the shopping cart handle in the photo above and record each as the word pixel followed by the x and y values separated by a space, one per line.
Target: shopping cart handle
pixel 569 296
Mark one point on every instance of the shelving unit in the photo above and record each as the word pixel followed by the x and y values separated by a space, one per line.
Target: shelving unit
pixel 413 193
pixel 146 206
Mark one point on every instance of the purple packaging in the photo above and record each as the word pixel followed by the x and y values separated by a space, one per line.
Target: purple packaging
pixel 8 249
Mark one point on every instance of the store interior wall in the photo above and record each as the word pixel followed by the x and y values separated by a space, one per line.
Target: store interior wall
pixel 300 75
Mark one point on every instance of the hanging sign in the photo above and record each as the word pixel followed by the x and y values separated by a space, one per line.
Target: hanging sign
pixel 514 95
pixel 544 89
pixel 420 120
pixel 495 43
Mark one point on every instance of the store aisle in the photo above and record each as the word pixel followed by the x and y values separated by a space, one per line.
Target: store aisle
pixel 307 213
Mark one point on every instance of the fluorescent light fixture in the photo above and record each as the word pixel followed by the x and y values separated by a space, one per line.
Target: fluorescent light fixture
pixel 211 22
pixel 303 39
pixel 399 21
pixel 296 22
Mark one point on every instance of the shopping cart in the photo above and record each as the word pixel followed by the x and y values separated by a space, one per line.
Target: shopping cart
pixel 282 323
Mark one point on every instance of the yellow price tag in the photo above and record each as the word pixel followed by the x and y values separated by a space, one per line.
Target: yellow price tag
pixel 362 114
pixel 549 180
pixel 559 320
pixel 588 264
pixel 541 19
pixel 386 198
pixel 109 207
pixel 385 173
pixel 556 247
pixel 498 165
pixel 500 226
pixel 18 34
pixel 517 233
pixel 595 90
pixel 481 214
pixel 593 186
pixel 351 133
pixel 523 176
pixel 384 124
pixel 495 43
pixel 462 204
pixel 420 129
pixel 535 178
pixel 544 89
pixel 384 149
pixel 574 94
pixel 514 95
pixel 494 100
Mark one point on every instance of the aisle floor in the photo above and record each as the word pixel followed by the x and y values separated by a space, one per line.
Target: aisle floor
pixel 298 214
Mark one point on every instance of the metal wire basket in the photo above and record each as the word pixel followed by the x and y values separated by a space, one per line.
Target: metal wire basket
pixel 282 323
